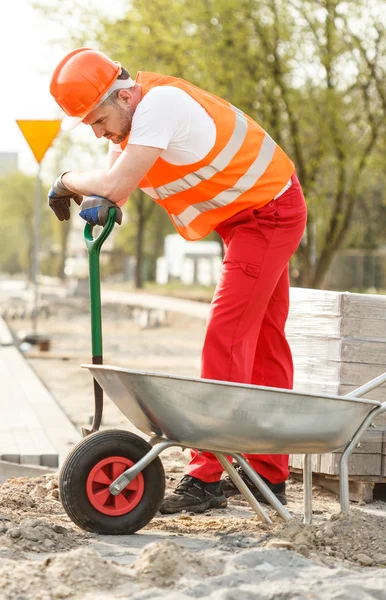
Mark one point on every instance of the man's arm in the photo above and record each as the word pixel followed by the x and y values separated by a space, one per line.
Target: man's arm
pixel 112 158
pixel 120 180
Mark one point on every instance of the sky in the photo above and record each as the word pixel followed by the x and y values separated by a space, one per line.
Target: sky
pixel 28 56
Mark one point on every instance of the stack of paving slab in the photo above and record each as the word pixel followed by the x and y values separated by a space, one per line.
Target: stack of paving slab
pixel 338 342
pixel 33 428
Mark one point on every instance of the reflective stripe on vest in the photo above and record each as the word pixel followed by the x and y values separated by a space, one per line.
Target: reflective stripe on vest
pixel 245 183
pixel 219 163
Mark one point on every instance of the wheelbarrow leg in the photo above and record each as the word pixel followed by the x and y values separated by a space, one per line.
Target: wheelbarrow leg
pixel 344 491
pixel 262 487
pixel 343 465
pixel 245 491
pixel 307 488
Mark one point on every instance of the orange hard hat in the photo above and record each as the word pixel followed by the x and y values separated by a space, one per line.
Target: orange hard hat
pixel 80 82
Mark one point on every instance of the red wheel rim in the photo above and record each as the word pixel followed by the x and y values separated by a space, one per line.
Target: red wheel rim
pixel 102 476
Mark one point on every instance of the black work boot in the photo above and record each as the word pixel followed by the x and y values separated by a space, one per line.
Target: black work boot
pixel 193 495
pixel 230 489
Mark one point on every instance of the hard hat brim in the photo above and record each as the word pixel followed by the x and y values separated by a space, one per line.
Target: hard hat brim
pixel 70 122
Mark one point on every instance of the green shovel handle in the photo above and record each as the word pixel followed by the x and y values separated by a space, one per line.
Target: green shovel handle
pixel 93 246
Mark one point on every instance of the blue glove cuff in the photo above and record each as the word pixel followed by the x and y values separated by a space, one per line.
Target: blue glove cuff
pixel 91 215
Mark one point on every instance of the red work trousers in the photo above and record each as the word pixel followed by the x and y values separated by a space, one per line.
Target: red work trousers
pixel 245 339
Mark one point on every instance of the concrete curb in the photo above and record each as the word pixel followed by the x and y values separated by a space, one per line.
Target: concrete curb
pixel 8 470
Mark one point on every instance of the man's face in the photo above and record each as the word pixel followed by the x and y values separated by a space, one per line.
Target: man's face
pixel 112 121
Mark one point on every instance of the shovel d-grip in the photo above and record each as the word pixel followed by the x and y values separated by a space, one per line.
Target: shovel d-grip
pixel 94 246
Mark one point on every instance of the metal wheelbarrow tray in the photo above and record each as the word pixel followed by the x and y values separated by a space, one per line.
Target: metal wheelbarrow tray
pixel 230 418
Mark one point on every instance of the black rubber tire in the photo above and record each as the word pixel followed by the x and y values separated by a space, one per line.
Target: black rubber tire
pixel 79 463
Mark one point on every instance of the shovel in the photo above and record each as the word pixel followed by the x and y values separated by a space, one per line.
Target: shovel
pixel 94 246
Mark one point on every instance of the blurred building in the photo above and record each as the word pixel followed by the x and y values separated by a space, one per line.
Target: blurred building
pixel 189 262
pixel 8 162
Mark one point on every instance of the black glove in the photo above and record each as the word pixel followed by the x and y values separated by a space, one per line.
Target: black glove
pixel 59 199
pixel 95 210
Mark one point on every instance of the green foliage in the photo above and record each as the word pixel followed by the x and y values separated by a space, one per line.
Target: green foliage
pixel 223 46
pixel 17 214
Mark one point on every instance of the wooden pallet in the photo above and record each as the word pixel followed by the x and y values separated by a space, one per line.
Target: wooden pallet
pixel 362 488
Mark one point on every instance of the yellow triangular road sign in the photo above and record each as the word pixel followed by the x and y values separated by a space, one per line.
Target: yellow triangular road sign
pixel 39 135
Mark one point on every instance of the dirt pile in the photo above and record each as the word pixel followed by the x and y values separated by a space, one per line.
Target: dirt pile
pixel 69 575
pixel 357 538
pixel 34 535
pixel 37 495
pixel 209 524
pixel 163 564
pixel 32 518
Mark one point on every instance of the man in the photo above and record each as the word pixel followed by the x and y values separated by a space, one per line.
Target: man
pixel 211 167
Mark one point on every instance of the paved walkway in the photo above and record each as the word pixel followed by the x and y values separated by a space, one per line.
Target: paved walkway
pixel 33 429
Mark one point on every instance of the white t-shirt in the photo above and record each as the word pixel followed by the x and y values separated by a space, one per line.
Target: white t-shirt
pixel 168 118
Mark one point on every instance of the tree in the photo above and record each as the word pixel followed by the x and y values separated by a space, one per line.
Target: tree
pixel 142 234
pixel 143 208
pixel 348 126
pixel 17 217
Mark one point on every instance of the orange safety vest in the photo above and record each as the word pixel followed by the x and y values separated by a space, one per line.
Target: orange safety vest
pixel 244 168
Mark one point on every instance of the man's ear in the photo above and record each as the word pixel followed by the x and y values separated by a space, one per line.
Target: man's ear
pixel 125 96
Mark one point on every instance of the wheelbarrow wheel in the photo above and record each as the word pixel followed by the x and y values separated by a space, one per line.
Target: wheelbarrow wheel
pixel 92 466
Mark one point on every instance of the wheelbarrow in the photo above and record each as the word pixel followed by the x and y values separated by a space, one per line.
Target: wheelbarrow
pixel 113 481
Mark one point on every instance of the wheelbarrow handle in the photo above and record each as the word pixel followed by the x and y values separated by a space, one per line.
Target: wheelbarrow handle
pixel 367 387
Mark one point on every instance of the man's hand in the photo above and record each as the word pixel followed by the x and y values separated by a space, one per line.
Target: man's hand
pixel 59 199
pixel 95 210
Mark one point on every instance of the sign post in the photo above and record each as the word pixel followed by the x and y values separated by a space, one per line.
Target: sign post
pixel 35 271
pixel 39 135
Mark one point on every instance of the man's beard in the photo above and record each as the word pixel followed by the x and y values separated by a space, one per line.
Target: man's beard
pixel 125 121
